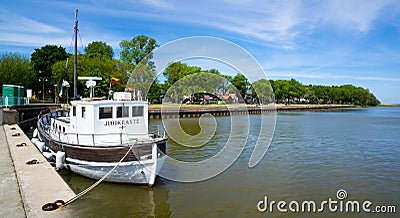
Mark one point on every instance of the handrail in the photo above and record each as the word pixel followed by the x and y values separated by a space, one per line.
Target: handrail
pixel 45 120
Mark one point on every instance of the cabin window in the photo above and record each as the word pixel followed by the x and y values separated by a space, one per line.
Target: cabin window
pixel 105 112
pixel 122 112
pixel 83 112
pixel 73 111
pixel 137 111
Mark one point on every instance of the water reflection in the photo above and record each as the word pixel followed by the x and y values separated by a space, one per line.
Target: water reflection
pixel 118 200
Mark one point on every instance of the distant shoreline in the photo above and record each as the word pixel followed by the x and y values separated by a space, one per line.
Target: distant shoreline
pixel 171 110
pixel 389 105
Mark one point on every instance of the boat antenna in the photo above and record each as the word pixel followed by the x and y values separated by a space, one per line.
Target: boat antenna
pixel 76 54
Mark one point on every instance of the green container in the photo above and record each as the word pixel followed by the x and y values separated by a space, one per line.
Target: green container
pixel 8 90
pixel 14 93
pixel 20 95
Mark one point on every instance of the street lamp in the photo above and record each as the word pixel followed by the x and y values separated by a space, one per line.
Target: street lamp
pixel 55 94
pixel 67 92
pixel 42 79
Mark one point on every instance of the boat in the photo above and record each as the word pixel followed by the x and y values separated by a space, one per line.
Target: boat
pixel 94 136
pixel 103 138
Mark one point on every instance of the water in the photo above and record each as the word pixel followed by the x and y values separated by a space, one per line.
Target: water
pixel 312 156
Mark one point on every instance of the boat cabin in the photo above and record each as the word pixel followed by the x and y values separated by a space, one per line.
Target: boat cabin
pixel 103 122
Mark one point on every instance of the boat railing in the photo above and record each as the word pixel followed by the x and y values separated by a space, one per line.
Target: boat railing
pixel 158 134
pixel 98 139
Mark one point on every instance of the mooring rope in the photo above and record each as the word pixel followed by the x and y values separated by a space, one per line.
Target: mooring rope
pixel 100 180
pixel 27 120
pixel 55 205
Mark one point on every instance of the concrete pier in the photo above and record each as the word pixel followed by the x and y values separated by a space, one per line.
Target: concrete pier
pixel 24 189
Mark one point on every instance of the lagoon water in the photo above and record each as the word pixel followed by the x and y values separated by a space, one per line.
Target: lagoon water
pixel 312 156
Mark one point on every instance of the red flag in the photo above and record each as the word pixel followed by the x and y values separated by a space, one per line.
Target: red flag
pixel 114 80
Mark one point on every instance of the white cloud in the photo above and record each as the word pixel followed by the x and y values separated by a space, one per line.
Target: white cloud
pixel 274 21
pixel 159 4
pixel 285 24
pixel 26 39
pixel 11 22
pixel 17 30
pixel 356 14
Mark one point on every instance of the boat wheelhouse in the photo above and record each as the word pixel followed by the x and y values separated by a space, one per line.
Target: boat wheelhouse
pixel 102 123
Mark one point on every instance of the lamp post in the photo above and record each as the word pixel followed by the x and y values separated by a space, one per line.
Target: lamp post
pixel 67 93
pixel 55 94
pixel 42 79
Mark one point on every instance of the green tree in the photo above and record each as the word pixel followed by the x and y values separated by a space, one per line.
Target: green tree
pixel 98 48
pixel 309 94
pixel 15 69
pixel 43 59
pixel 174 73
pixel 137 55
pixel 240 82
pixel 263 90
pixel 193 83
pixel 140 80
pixel 295 89
pixel 138 49
pixel 154 94
pixel 281 89
pixel 177 70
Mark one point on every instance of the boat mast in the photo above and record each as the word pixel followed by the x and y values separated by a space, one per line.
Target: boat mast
pixel 76 54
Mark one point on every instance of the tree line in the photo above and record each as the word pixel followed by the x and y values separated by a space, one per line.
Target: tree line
pixel 294 91
pixel 135 71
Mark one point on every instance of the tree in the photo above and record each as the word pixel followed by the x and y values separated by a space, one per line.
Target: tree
pixel 154 94
pixel 295 89
pixel 99 49
pixel 177 70
pixel 137 55
pixel 263 90
pixel 241 83
pixel 200 82
pixel 43 59
pixel 173 73
pixel 15 69
pixel 137 49
pixel 140 80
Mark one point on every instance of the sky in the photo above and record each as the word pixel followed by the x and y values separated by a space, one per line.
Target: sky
pixel 329 42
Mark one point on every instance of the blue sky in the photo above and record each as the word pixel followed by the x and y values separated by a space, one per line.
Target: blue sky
pixel 316 42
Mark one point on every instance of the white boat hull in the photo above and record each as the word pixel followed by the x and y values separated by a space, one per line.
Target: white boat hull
pixel 134 172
